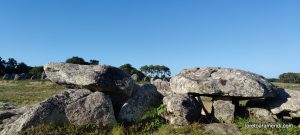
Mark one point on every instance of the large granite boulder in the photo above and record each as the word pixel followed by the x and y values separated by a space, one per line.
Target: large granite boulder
pixel 181 109
pixel 286 101
pixel 142 100
pixel 261 114
pixel 102 78
pixel 213 81
pixel 163 87
pixel 11 114
pixel 223 109
pixel 70 107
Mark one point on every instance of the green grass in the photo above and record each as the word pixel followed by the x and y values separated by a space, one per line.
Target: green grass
pixel 25 92
pixel 291 86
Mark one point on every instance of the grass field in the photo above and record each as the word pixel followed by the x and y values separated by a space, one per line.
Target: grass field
pixel 26 92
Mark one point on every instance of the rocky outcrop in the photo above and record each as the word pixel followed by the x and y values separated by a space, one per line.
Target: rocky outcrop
pixel 221 82
pixel 10 112
pixel 142 100
pixel 223 109
pixel 181 109
pixel 102 78
pixel 163 87
pixel 223 129
pixel 286 101
pixel 70 107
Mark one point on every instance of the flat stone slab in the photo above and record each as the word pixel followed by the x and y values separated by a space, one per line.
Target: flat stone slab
pixel 212 81
pixel 103 78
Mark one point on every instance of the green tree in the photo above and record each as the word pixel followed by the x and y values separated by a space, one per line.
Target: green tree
pixel 77 60
pixel 10 66
pixel 159 71
pixel 2 67
pixel 36 71
pixel 131 70
pixel 22 68
pixel 94 62
pixel 290 77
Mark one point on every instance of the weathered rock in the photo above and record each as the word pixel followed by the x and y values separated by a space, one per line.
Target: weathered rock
pixel 223 109
pixel 102 78
pixel 163 87
pixel 135 77
pixel 7 106
pixel 23 76
pixel 6 77
pixel 43 76
pixel 9 115
pixel 17 77
pixel 33 77
pixel 181 109
pixel 261 115
pixel 224 129
pixel 141 101
pixel 286 101
pixel 221 82
pixel 70 107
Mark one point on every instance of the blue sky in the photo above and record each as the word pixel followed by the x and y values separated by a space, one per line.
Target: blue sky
pixel 261 36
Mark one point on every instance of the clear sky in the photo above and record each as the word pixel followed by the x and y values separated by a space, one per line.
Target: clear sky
pixel 262 36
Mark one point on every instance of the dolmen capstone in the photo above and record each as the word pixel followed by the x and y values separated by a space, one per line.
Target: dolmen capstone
pixel 92 96
pixel 226 87
pixel 102 78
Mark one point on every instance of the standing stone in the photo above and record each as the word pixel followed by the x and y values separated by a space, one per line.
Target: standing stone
pixel 135 77
pixel 221 82
pixel 223 109
pixel 33 77
pixel 6 77
pixel 141 101
pixel 78 107
pixel 102 78
pixel 43 76
pixel 17 77
pixel 181 109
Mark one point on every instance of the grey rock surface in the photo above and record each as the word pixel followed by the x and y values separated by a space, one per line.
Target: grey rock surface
pixel 163 87
pixel 223 129
pixel 223 109
pixel 261 115
pixel 43 76
pixel 135 77
pixel 102 78
pixel 70 107
pixel 181 109
pixel 141 101
pixel 286 101
pixel 213 81
pixel 17 77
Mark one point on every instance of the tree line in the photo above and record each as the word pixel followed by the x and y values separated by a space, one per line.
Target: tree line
pixel 11 66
